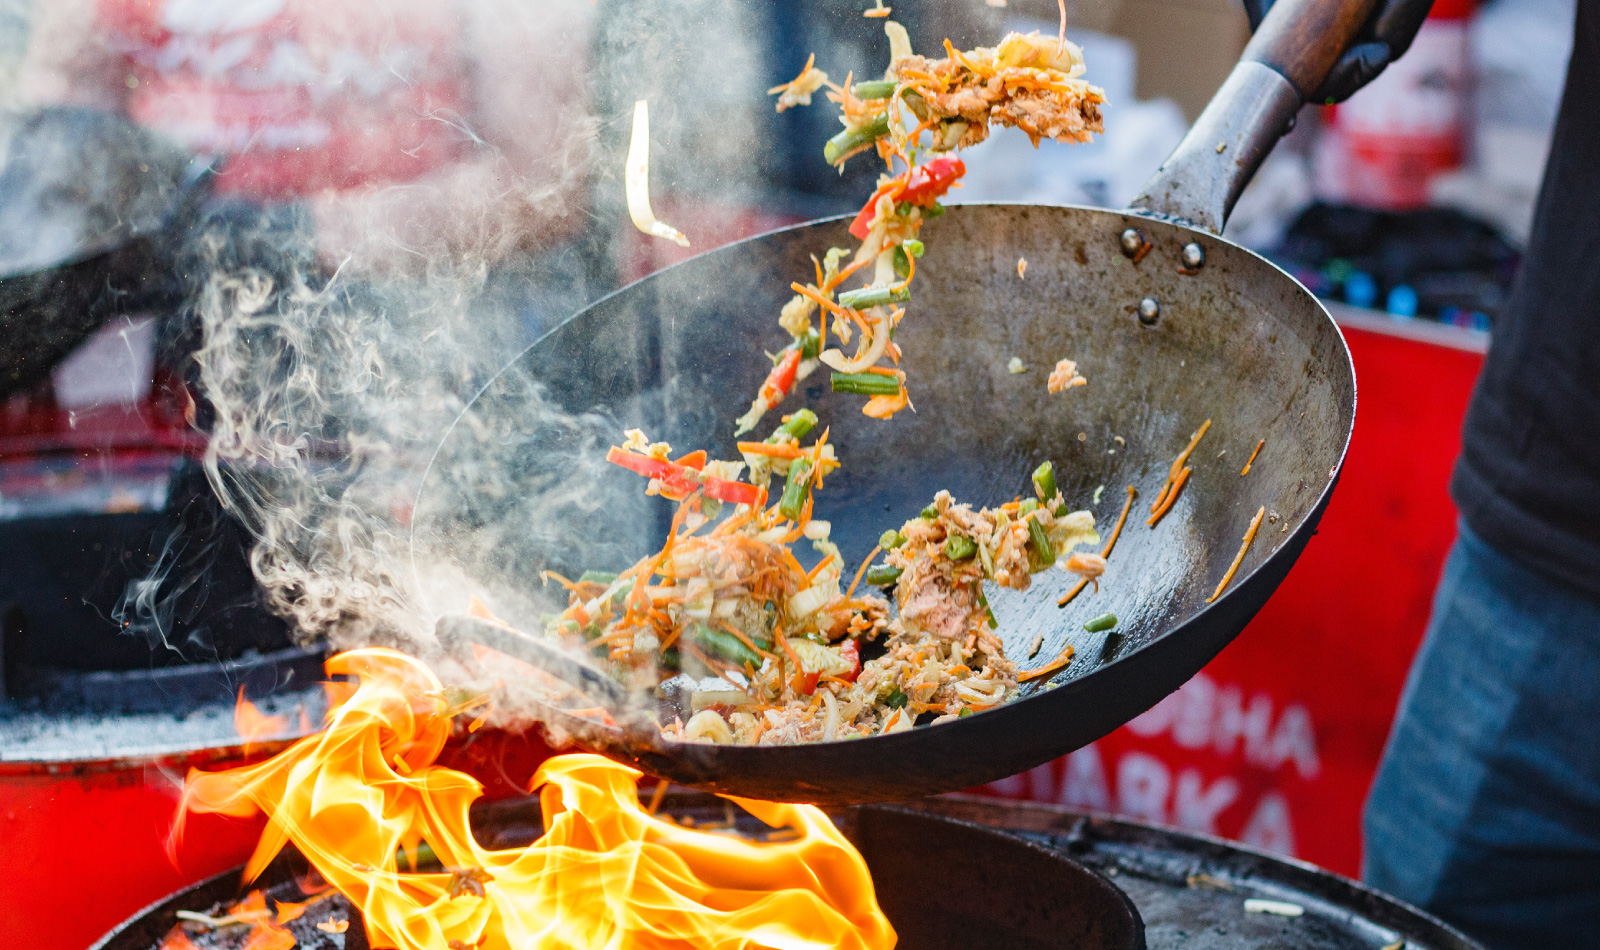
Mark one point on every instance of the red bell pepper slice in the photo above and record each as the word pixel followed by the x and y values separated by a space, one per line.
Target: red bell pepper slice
pixel 684 480
pixel 929 181
pixel 926 184
pixel 851 650
pixel 781 379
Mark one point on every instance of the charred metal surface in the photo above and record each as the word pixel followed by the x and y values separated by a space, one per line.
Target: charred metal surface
pixel 678 354
pixel 1190 889
pixel 942 882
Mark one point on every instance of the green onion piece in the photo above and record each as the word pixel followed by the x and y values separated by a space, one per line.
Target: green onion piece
pixel 1044 481
pixel 1061 510
pixel 896 699
pixel 913 247
pixel 865 384
pixel 796 490
pixel 1027 507
pixel 1101 623
pixel 671 659
pixel 983 601
pixel 1044 553
pixel 810 345
pixel 902 266
pixel 597 577
pixel 891 539
pixel 937 211
pixel 723 645
pixel 873 297
pixel 797 426
pixel 845 144
pixel 883 575
pixel 930 513
pixel 874 89
pixel 964 713
pixel 959 547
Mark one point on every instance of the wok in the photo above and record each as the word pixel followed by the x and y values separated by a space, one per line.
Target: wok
pixel 1190 328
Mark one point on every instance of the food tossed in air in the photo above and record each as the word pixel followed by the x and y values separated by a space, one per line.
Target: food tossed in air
pixel 921 109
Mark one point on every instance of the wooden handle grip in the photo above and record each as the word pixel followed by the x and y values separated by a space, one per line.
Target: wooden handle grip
pixel 1302 39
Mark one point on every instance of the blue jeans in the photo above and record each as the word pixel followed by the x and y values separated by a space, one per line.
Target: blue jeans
pixel 1486 809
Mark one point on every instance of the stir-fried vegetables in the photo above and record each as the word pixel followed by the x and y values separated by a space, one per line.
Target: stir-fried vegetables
pixel 759 648
pixel 919 106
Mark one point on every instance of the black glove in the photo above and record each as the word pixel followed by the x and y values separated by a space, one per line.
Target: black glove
pixel 1385 36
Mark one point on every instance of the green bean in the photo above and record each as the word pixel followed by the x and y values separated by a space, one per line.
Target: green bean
pixel 873 297
pixel 1044 481
pixel 874 89
pixel 964 713
pixel 960 547
pixel 865 384
pixel 913 247
pixel 891 539
pixel 896 699
pixel 597 577
pixel 724 645
pixel 796 490
pixel 797 426
pixel 930 513
pixel 1101 623
pixel 845 144
pixel 902 265
pixel 883 575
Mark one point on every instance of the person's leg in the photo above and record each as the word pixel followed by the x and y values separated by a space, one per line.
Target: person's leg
pixel 1486 808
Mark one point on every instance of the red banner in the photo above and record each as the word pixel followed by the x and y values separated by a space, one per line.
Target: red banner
pixel 1276 742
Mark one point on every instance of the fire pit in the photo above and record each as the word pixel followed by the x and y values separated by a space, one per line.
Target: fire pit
pixel 1026 866
pixel 943 882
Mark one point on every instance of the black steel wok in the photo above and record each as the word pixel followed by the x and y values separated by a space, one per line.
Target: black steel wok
pixel 1189 329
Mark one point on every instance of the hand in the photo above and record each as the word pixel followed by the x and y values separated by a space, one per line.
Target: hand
pixel 1385 36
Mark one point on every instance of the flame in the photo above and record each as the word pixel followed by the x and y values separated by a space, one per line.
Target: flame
pixel 606 874
pixel 252 725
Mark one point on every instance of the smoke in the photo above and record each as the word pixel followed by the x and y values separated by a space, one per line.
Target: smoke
pixel 337 342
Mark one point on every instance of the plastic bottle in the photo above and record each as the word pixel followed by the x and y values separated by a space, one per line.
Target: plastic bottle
pixel 1380 148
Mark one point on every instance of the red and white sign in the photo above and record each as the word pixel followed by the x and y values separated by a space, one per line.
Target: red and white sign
pixel 1276 742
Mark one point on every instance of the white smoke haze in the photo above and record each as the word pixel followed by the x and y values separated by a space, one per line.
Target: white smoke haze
pixel 331 379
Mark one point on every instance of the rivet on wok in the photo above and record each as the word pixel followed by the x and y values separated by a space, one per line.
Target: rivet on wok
pixel 1132 242
pixel 1194 256
pixel 1149 311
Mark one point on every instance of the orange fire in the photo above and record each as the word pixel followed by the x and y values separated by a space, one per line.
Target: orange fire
pixel 605 874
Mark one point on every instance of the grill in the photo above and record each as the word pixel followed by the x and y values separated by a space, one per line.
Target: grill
pixel 974 872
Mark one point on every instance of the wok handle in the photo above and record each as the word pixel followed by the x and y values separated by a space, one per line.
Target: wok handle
pixel 1287 59
pixel 1302 39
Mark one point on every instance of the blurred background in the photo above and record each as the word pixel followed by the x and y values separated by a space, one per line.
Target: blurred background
pixel 461 164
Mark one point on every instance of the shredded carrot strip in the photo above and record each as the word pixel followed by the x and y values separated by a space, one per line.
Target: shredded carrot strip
pixel 1061 37
pixel 1172 497
pixel 1246 470
pixel 742 638
pixel 1105 552
pixel 862 571
pixel 811 575
pixel 911 271
pixel 784 450
pixel 552 575
pixel 1179 464
pixel 1249 537
pixel 1061 660
pixel 670 639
